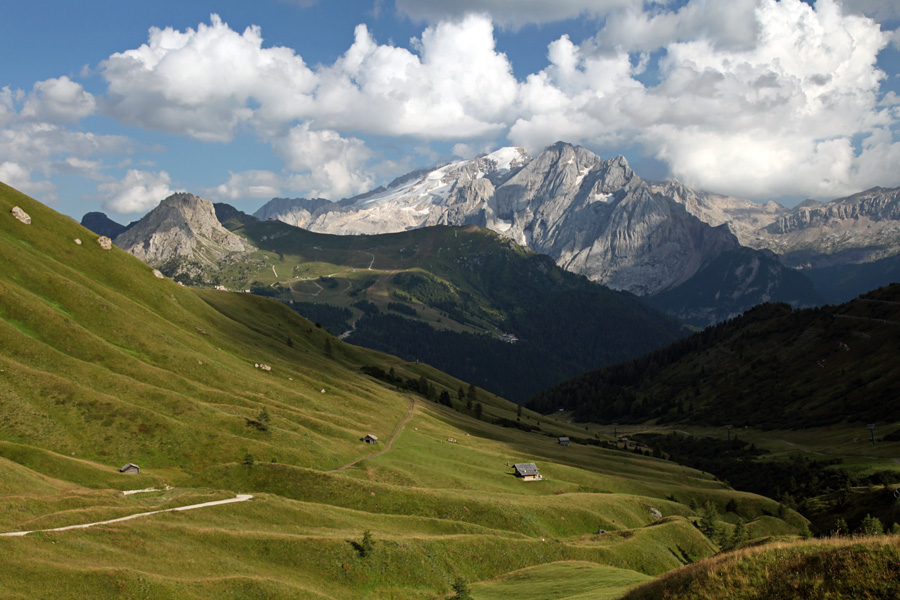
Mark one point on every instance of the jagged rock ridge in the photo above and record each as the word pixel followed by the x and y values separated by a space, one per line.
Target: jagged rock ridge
pixel 861 228
pixel 595 217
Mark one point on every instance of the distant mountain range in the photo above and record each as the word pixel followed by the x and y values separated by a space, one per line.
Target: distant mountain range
pixel 464 300
pixel 698 256
pixel 594 217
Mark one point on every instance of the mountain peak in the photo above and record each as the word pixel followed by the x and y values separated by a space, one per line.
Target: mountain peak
pixel 101 224
pixel 182 229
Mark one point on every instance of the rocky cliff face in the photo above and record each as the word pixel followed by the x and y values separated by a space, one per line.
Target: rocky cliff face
pixel 299 212
pixel 598 218
pixel 743 218
pixel 182 237
pixel 858 229
pixel 594 217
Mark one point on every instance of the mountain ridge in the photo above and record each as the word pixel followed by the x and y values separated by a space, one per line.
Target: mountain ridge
pixel 594 217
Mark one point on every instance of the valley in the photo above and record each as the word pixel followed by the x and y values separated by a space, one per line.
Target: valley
pixel 487 311
pixel 104 363
pixel 434 300
pixel 462 299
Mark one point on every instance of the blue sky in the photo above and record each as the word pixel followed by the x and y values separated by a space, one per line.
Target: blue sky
pixel 112 105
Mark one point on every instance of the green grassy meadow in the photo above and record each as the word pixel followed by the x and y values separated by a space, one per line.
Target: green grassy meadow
pixel 834 569
pixel 102 363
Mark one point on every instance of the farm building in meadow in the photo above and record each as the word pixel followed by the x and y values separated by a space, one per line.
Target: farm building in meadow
pixel 369 439
pixel 527 471
pixel 563 441
pixel 130 469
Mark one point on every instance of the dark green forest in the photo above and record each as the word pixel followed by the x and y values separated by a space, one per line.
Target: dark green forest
pixel 772 367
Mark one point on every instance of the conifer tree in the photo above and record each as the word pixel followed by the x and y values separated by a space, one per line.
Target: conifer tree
pixel 708 520
pixel 871 526
pixel 462 590
pixel 739 535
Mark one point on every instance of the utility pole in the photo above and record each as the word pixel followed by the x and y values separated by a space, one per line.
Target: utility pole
pixel 616 430
pixel 872 429
pixel 729 428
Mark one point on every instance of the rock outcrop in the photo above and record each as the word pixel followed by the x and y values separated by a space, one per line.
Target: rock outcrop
pixel 182 237
pixel 744 218
pixel 858 229
pixel 21 215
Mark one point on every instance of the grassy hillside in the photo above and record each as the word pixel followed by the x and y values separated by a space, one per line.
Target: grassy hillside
pixel 771 368
pixel 820 570
pixel 447 296
pixel 215 393
pixel 776 402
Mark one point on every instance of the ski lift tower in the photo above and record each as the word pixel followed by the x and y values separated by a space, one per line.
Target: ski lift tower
pixel 729 428
pixel 871 427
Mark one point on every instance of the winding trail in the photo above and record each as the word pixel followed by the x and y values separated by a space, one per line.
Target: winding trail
pixel 238 498
pixel 390 441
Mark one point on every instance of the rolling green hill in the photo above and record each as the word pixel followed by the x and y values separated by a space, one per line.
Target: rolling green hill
pixel 446 296
pixel 770 368
pixel 215 394
pixel 778 402
pixel 820 570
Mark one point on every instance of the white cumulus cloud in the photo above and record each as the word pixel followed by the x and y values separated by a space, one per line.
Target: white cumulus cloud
pixel 456 86
pixel 58 101
pixel 772 116
pixel 325 164
pixel 247 184
pixel 513 13
pixel 19 177
pixel 206 82
pixel 137 192
pixel 756 98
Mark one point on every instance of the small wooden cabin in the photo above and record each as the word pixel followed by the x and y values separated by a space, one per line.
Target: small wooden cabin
pixel 563 441
pixel 369 439
pixel 527 471
pixel 130 469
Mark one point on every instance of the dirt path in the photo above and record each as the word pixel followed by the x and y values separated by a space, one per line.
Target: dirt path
pixel 372 262
pixel 238 498
pixel 880 321
pixel 390 441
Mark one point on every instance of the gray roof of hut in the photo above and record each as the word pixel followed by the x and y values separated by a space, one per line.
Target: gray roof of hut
pixel 525 469
pixel 128 466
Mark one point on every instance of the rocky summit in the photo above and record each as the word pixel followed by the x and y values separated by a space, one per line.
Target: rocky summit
pixel 182 237
pixel 858 229
pixel 595 217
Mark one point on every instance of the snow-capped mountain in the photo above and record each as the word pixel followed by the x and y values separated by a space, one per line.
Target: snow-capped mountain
pixel 594 217
pixel 448 195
